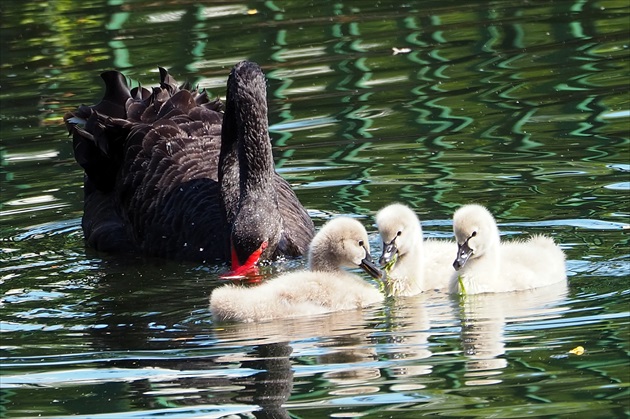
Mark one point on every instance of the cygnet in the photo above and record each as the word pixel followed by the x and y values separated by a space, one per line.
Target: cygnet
pixel 324 287
pixel 414 265
pixel 486 264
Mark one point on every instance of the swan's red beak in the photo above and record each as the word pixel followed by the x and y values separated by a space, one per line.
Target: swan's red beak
pixel 249 268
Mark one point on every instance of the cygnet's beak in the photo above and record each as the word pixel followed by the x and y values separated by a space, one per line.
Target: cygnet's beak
pixel 389 251
pixel 368 265
pixel 463 254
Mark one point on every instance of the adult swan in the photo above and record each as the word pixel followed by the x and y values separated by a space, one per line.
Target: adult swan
pixel 169 174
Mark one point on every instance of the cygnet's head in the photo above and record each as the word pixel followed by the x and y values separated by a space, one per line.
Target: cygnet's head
pixel 475 231
pixel 400 231
pixel 342 242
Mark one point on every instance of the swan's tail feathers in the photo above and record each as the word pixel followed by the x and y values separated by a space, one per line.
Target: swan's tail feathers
pixel 138 103
pixel 99 132
pixel 98 145
pixel 103 133
pixel 547 242
pixel 169 100
pixel 113 104
pixel 167 81
pixel 116 95
pixel 199 96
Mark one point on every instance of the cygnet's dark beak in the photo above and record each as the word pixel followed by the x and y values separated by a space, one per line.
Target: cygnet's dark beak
pixel 389 251
pixel 368 265
pixel 463 254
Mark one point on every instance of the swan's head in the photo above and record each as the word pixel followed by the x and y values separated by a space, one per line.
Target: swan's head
pixel 256 233
pixel 475 231
pixel 342 242
pixel 400 230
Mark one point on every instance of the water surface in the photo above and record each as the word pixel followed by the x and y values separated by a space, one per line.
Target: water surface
pixel 521 107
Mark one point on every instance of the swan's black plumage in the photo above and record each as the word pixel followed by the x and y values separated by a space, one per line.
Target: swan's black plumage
pixel 259 184
pixel 170 174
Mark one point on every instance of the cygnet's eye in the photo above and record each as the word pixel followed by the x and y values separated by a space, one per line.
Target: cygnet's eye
pixel 361 243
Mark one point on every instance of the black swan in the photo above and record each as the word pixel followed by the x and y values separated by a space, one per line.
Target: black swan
pixel 170 174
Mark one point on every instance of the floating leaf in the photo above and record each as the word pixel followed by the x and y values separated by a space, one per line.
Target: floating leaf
pixel 578 350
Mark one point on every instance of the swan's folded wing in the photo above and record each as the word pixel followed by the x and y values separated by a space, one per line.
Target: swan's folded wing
pixel 298 226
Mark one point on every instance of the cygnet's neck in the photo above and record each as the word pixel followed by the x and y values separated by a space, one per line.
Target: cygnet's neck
pixel 322 257
pixel 407 276
pixel 481 273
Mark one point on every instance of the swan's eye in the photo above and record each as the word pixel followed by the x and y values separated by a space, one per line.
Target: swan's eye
pixel 361 243
pixel 474 233
pixel 399 233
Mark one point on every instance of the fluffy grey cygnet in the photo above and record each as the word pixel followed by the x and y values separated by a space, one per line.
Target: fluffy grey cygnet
pixel 324 287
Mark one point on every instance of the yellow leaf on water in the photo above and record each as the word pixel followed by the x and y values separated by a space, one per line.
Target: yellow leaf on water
pixel 579 350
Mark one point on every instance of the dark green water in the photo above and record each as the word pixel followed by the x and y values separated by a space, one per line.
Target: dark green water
pixel 521 106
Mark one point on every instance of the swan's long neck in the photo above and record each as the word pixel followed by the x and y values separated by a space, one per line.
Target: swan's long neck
pixel 246 165
pixel 254 146
pixel 228 164
pixel 256 222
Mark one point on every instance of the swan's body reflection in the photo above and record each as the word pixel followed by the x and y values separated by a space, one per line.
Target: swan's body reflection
pixel 341 339
pixel 236 368
pixel 484 318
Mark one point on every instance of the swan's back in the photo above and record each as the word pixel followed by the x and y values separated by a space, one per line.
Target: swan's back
pixel 303 293
pixel 326 287
pixel 154 156
pixel 532 263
